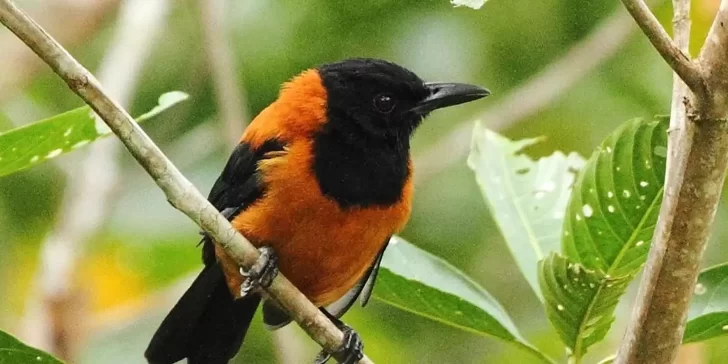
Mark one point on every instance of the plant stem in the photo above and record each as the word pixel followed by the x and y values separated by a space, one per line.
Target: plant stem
pixel 697 164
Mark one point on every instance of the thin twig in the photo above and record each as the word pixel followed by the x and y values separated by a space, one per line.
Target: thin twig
pixel 533 95
pixel 90 190
pixel 85 15
pixel 179 191
pixel 697 164
pixel 230 97
pixel 670 52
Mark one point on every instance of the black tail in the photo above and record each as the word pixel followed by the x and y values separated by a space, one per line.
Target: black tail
pixel 205 326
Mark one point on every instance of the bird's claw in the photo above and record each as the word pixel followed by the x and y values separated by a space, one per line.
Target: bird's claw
pixel 352 351
pixel 262 273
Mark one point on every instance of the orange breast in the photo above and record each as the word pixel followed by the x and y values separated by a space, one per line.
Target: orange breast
pixel 323 249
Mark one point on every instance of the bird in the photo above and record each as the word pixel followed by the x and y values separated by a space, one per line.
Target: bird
pixel 319 182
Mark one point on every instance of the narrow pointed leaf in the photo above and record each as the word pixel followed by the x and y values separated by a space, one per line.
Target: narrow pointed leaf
pixel 609 224
pixel 35 143
pixel 419 282
pixel 527 198
pixel 12 351
pixel 708 316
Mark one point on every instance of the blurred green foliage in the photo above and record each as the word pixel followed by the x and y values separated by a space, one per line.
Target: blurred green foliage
pixel 145 244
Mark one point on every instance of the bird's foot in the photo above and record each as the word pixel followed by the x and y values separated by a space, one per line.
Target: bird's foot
pixel 350 352
pixel 262 273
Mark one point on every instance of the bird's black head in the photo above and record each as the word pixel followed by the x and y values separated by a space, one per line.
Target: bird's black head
pixel 361 154
pixel 385 100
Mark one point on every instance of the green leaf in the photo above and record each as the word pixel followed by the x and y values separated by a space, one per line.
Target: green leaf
pixel 610 221
pixel 12 351
pixel 579 302
pixel 35 143
pixel 421 283
pixel 527 198
pixel 473 4
pixel 708 316
pixel 613 210
pixel 166 101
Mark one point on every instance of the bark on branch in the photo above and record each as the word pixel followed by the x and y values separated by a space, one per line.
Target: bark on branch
pixel 697 164
pixel 179 191
pixel 670 52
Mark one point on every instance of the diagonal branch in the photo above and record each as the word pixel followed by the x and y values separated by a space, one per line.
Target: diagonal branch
pixel 179 191
pixel 90 191
pixel 86 16
pixel 678 60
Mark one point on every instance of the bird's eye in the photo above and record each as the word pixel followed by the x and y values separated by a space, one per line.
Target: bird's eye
pixel 384 103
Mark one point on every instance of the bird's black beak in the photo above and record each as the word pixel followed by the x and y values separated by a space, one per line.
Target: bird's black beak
pixel 448 94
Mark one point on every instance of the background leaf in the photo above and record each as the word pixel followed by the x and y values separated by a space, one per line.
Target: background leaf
pixel 12 351
pixel 527 198
pixel 35 143
pixel 610 221
pixel 421 283
pixel 474 4
pixel 708 316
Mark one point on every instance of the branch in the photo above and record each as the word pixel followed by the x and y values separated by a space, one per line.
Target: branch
pixel 230 98
pixel 89 191
pixel 179 191
pixel 85 15
pixel 676 58
pixel 697 164
pixel 533 95
pixel 714 60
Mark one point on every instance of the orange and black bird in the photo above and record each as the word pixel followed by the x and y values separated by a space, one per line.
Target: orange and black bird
pixel 319 182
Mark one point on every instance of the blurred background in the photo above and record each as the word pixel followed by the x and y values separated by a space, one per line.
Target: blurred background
pixel 92 256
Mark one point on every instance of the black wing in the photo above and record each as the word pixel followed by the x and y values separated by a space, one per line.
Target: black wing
pixel 238 186
pixel 275 318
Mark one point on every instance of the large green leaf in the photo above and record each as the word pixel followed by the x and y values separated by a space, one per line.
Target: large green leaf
pixel 12 351
pixel 527 198
pixel 608 227
pixel 35 143
pixel 708 316
pixel 613 210
pixel 421 283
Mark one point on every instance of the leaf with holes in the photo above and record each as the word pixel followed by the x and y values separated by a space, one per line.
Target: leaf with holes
pixel 12 351
pixel 35 143
pixel 708 316
pixel 609 223
pixel 613 210
pixel 579 302
pixel 527 198
pixel 421 283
